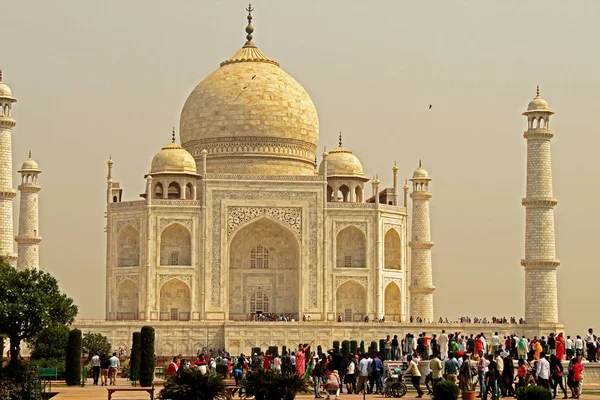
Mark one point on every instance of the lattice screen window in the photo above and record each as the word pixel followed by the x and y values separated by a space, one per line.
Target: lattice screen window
pixel 174 258
pixel 259 258
pixel 348 314
pixel 348 261
pixel 174 314
pixel 259 301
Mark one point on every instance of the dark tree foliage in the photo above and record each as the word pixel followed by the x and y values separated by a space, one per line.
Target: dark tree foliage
pixel 147 356
pixel 95 343
pixel 193 385
pixel 346 349
pixel 362 346
pixel 50 343
pixel 445 390
pixel 336 345
pixel 373 347
pixel 73 358
pixel 319 350
pixel 30 301
pixel 353 346
pixel 136 352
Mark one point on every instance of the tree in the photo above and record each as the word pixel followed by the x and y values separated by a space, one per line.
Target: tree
pixel 50 343
pixel 30 301
pixel 136 353
pixel 193 385
pixel 346 349
pixel 147 357
pixel 73 358
pixel 95 343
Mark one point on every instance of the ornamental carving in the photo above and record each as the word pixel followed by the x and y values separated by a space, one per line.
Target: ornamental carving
pixel 164 278
pixel 387 227
pixel 124 222
pixel 387 280
pixel 340 280
pixel 121 278
pixel 242 177
pixel 313 234
pixel 164 222
pixel 290 216
pixel 339 225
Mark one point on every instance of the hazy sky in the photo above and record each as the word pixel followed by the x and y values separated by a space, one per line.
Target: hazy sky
pixel 95 78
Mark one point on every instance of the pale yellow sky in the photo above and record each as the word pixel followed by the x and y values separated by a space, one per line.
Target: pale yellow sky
pixel 95 78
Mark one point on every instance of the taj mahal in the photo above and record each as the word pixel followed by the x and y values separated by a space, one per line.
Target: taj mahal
pixel 244 216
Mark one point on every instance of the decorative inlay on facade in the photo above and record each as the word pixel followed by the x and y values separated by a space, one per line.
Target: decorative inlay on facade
pixel 340 280
pixel 121 278
pixel 219 195
pixel 175 202
pixel 387 227
pixel 242 177
pixel 164 278
pixel 339 225
pixel 127 204
pixel 124 222
pixel 290 216
pixel 387 280
pixel 164 222
pixel 251 144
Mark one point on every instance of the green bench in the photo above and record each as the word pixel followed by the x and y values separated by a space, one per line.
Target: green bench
pixel 47 373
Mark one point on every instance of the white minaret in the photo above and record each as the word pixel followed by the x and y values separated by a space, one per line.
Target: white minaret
pixel 421 283
pixel 7 193
pixel 28 241
pixel 540 263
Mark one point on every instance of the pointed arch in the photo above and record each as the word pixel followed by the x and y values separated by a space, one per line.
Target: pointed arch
pixel 128 247
pixel 174 190
pixel 127 306
pixel 351 301
pixel 392 302
pixel 392 253
pixel 189 192
pixel 358 194
pixel 345 193
pixel 351 248
pixel 176 245
pixel 158 191
pixel 175 300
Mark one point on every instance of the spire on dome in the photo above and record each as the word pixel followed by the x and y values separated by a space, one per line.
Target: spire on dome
pixel 29 153
pixel 340 141
pixel 173 136
pixel 420 164
pixel 537 92
pixel 249 28
pixel 0 75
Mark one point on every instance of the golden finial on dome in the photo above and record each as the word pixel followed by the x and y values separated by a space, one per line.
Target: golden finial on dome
pixel 0 75
pixel 173 136
pixel 249 28
pixel 420 164
pixel 340 140
pixel 537 92
pixel 29 153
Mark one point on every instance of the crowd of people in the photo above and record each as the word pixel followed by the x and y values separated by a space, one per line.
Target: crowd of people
pixel 496 366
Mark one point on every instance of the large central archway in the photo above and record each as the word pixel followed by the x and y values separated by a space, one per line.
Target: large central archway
pixel 264 260
pixel 351 301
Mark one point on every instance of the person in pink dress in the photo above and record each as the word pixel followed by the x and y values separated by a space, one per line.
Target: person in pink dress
pixel 300 361
pixel 560 347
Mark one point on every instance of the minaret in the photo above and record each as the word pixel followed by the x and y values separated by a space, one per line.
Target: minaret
pixel 540 261
pixel 421 284
pixel 7 193
pixel 28 241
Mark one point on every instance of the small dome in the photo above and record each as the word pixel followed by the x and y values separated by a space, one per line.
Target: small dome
pixel 29 165
pixel 421 173
pixel 341 162
pixel 538 104
pixel 173 159
pixel 4 89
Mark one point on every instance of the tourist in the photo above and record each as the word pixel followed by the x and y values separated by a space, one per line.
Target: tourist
pixel 292 362
pixel 522 348
pixel 491 380
pixel 468 374
pixel 481 370
pixel 202 364
pixel 578 346
pixel 317 377
pixel 96 368
pixel 495 342
pixel 574 377
pixel 332 386
pixel 350 375
pixel 436 367
pixel 508 376
pixel 552 344
pixel 172 368
pixel 521 374
pixel 377 376
pixel 113 367
pixel 560 347
pixel 238 374
pixel 543 372
pixel 388 348
pixel 277 363
pixel 413 370
pixel 300 361
pixel 444 345
pixel 499 362
pixel 395 346
pixel 363 373
pixel 590 341
pixel 556 373
pixel 451 368
pixel 104 366
pixel 537 350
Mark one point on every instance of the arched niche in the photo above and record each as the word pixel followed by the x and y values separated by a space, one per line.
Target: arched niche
pixel 345 193
pixel 158 191
pixel 358 194
pixel 174 191
pixel 264 256
pixel 392 250
pixel 128 247
pixel 351 248
pixel 393 302
pixel 176 245
pixel 127 300
pixel 175 301
pixel 351 301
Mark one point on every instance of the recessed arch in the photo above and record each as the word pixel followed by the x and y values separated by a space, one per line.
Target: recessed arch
pixel 128 247
pixel 344 190
pixel 351 248
pixel 189 191
pixel 264 256
pixel 358 194
pixel 174 191
pixel 329 193
pixel 392 250
pixel 127 300
pixel 351 301
pixel 175 245
pixel 175 300
pixel 393 302
pixel 158 191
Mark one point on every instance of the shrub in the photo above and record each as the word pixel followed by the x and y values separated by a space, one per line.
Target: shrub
pixel 373 347
pixel 362 346
pixel 256 350
pixel 59 364
pixel 533 393
pixel 445 390
pixel 271 385
pixel 95 343
pixel 73 358
pixel 346 349
pixel 336 345
pixel 193 385
pixel 353 346
pixel 147 356
pixel 50 343
pixel 283 349
pixel 136 353
pixel 382 348
pixel 19 380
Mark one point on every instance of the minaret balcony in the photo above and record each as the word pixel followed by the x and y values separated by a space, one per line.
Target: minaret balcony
pixel 421 245
pixel 22 239
pixel 539 202
pixel 540 264
pixel 7 122
pixel 538 133
pixel 421 289
pixel 8 193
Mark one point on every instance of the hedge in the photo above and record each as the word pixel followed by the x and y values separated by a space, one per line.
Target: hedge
pixel 136 353
pixel 147 356
pixel 73 358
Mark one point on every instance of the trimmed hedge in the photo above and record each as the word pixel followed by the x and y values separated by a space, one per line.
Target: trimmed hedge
pixel 147 356
pixel 336 345
pixel 136 352
pixel 346 349
pixel 353 346
pixel 373 348
pixel 73 358
pixel 362 346
pixel 533 393
pixel 445 390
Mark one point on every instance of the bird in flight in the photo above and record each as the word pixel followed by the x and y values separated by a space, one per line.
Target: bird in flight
pixel 430 106
pixel 244 88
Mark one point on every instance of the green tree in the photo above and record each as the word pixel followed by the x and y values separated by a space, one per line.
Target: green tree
pixel 136 352
pixel 30 300
pixel 147 357
pixel 353 347
pixel 73 358
pixel 193 385
pixel 50 343
pixel 346 349
pixel 95 343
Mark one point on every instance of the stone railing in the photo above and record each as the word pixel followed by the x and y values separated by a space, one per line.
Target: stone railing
pixel 127 204
pixel 176 202
pixel 368 206
pixel 243 177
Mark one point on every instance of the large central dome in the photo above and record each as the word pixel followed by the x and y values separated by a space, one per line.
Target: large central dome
pixel 251 117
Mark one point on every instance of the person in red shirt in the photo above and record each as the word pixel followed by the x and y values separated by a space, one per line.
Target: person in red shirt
pixel 266 362
pixel 574 378
pixel 172 368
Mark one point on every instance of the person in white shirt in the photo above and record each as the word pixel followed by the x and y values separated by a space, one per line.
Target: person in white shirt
pixel 543 372
pixel 569 347
pixel 115 364
pixel 277 363
pixel 578 346
pixel 443 345
pixel 495 343
pixel 590 341
pixel 96 368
